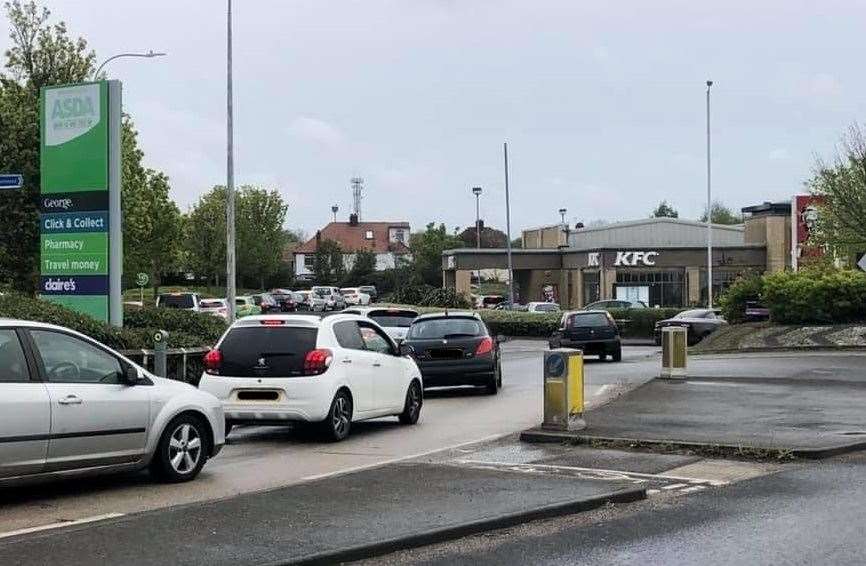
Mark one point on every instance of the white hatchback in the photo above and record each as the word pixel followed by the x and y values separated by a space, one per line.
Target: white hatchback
pixel 395 321
pixel 277 369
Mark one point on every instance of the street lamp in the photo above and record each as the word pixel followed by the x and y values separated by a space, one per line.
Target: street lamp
pixel 149 55
pixel 564 225
pixel 334 209
pixel 562 212
pixel 230 174
pixel 709 211
pixel 477 192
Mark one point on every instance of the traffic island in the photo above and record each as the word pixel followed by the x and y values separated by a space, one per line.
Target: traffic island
pixel 337 519
pixel 749 418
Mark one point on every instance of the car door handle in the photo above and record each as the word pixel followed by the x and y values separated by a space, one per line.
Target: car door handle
pixel 377 365
pixel 347 361
pixel 70 400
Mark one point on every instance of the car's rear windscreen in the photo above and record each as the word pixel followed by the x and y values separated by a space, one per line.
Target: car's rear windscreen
pixel 176 301
pixel 593 319
pixel 266 351
pixel 206 304
pixel 436 328
pixel 393 319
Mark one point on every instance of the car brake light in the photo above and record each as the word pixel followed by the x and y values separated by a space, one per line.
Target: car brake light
pixel 484 347
pixel 212 362
pixel 317 361
pixel 272 322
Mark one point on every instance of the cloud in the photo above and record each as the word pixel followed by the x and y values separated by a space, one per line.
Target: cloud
pixel 318 131
pixel 779 154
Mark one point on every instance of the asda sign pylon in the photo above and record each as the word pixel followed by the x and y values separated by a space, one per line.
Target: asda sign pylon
pixel 81 240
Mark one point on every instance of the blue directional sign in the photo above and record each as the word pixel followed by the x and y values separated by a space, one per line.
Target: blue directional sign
pixel 11 181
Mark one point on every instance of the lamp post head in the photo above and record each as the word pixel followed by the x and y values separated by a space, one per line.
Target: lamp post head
pixel 563 211
pixel 476 191
pixel 709 84
pixel 335 208
pixel 151 53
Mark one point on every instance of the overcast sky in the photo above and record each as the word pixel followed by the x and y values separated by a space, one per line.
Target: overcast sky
pixel 602 103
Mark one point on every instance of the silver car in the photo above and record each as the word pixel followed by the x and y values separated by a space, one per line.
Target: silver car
pixel 395 321
pixel 71 405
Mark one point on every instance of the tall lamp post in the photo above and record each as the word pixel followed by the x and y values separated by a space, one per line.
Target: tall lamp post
pixel 709 210
pixel 477 192
pixel 149 55
pixel 334 209
pixel 508 228
pixel 230 175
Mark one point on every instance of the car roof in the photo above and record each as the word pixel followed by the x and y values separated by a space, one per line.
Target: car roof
pixel 449 314
pixel 594 311
pixel 365 310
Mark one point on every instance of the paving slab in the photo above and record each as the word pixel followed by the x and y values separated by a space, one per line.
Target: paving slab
pixel 326 521
pixel 809 418
pixel 641 462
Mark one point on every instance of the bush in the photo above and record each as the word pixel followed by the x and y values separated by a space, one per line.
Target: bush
pixel 444 298
pixel 410 294
pixel 633 323
pixel 816 296
pixel 733 301
pixel 180 322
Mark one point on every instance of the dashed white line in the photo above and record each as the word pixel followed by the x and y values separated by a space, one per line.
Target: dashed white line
pixel 674 486
pixel 60 524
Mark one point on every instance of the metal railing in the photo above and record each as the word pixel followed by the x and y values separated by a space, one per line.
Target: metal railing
pixel 182 364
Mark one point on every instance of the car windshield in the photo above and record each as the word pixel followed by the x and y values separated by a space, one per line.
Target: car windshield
pixel 393 318
pixel 266 351
pixel 184 301
pixel 211 304
pixel 437 328
pixel 546 307
pixel 693 314
pixel 592 319
pixel 322 291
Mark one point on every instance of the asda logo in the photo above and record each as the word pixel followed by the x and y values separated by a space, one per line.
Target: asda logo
pixel 70 112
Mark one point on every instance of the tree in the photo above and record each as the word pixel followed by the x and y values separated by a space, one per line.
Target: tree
pixel 842 184
pixel 722 215
pixel 426 248
pixel 260 237
pixel 664 210
pixel 40 55
pixel 206 235
pixel 517 243
pixel 490 237
pixel 328 267
pixel 363 267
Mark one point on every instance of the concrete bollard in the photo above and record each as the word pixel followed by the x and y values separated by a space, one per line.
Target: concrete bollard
pixel 563 390
pixel 674 352
pixel 160 356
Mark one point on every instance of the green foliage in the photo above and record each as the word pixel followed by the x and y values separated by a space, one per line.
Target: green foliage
pixel 328 266
pixel 174 321
pixel 410 294
pixel 444 298
pixel 721 214
pixel 733 301
pixel 426 248
pixel 363 268
pixel 816 296
pixel 664 210
pixel 490 238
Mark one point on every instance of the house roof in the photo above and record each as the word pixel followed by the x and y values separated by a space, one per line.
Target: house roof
pixel 352 238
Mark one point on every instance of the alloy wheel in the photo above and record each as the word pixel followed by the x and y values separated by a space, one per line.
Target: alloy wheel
pixel 341 417
pixel 184 448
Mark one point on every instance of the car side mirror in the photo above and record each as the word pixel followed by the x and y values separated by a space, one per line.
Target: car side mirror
pixel 501 338
pixel 405 349
pixel 130 375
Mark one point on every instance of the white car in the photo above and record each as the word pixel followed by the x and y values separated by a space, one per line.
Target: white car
pixel 331 371
pixel 542 307
pixel 354 296
pixel 333 298
pixel 71 405
pixel 181 301
pixel 394 321
pixel 216 307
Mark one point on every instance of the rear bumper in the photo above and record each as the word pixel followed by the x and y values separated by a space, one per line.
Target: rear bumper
pixel 442 373
pixel 607 346
pixel 299 399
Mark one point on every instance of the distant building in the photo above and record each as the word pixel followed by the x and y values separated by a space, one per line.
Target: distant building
pixel 388 240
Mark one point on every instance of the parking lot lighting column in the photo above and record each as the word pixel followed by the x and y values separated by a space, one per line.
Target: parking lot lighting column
pixel 477 192
pixel 508 229
pixel 230 176
pixel 709 211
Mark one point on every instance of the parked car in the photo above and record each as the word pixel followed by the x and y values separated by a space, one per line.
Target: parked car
pixel 542 307
pixel 266 303
pixel 756 312
pixel 594 332
pixel 245 306
pixel 216 307
pixel 71 406
pixel 370 290
pixel 182 301
pixel 329 371
pixel 334 300
pixel 311 302
pixel 699 322
pixel 394 321
pixel 455 348
pixel 506 306
pixel 615 304
pixel 354 296
pixel 286 299
pixel 488 301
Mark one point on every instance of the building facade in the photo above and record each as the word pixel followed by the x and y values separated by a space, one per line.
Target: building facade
pixel 660 261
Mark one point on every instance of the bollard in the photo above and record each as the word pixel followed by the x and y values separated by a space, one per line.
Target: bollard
pixel 160 344
pixel 674 352
pixel 563 390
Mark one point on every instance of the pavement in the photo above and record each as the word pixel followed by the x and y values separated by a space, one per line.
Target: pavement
pixel 808 406
pixel 325 521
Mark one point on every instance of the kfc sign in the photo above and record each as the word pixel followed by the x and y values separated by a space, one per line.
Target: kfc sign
pixel 632 259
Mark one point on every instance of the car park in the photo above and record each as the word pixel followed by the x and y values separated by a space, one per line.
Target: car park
pixel 542 308
pixel 181 301
pixel 286 299
pixel 266 303
pixel 334 300
pixel 370 290
pixel 73 406
pixel 328 372
pixel 394 321
pixel 354 296
pixel 245 306
pixel 216 307
pixel 593 332
pixel 455 348
pixel 615 304
pixel 311 302
pixel 699 322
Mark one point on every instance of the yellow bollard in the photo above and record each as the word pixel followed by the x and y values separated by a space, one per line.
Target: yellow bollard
pixel 674 352
pixel 563 390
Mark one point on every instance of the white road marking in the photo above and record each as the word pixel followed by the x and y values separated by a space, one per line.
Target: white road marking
pixel 674 486
pixel 693 489
pixel 60 524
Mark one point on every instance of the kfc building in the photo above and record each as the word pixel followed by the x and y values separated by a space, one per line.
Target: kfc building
pixel 660 261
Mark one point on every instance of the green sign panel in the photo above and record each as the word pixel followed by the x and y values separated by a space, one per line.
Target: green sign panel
pixel 80 130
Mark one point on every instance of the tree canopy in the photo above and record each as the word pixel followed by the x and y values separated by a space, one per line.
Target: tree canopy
pixel 490 237
pixel 722 215
pixel 426 248
pixel 664 210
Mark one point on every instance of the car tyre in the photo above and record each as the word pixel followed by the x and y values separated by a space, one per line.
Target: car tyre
pixel 182 450
pixel 602 357
pixel 617 354
pixel 412 407
pixel 338 423
pixel 492 387
pixel 228 428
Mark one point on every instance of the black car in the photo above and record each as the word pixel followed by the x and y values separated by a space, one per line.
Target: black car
pixel 455 349
pixel 594 332
pixel 266 303
pixel 286 300
pixel 699 322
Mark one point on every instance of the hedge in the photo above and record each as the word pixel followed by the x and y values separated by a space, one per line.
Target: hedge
pixel 175 321
pixel 733 301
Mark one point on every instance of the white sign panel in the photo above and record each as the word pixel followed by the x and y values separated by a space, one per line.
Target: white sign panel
pixel 70 112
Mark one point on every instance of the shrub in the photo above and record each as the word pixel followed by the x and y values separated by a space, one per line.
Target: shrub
pixel 444 298
pixel 173 321
pixel 816 296
pixel 633 323
pixel 733 301
pixel 410 294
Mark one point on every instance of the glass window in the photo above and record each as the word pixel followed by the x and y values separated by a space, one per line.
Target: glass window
pixel 374 341
pixel 68 359
pixel 348 335
pixel 179 301
pixel 588 320
pixel 591 289
pixel 666 288
pixel 438 328
pixel 13 364
pixel 309 261
pixel 393 318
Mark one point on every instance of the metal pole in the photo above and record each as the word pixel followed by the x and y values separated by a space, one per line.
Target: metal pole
pixel 230 177
pixel 115 211
pixel 478 221
pixel 709 210
pixel 150 54
pixel 508 230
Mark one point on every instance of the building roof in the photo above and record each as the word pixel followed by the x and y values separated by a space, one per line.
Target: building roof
pixel 353 238
pixel 660 232
pixel 769 209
